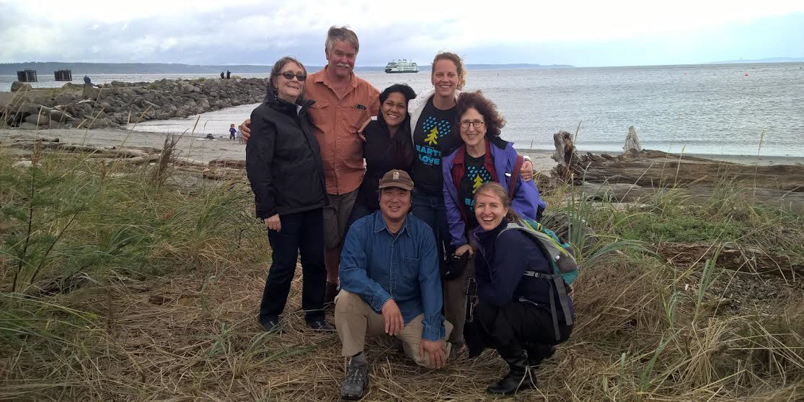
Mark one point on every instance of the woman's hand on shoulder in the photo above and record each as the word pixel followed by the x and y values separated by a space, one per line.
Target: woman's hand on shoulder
pixel 526 173
pixel 463 249
pixel 361 129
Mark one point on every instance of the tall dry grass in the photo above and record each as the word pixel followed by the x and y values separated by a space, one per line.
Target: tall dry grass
pixel 140 289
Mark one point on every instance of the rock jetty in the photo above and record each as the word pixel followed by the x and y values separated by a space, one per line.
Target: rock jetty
pixel 118 103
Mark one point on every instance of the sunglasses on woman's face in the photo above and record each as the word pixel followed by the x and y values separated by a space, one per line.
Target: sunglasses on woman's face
pixel 289 76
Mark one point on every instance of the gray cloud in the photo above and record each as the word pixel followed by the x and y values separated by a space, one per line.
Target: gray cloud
pixel 245 35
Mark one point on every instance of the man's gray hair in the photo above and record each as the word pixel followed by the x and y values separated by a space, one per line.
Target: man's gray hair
pixel 341 34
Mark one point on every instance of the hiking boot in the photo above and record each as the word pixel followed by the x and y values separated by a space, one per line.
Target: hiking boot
pixel 537 353
pixel 356 381
pixel 272 325
pixel 518 378
pixel 330 293
pixel 320 325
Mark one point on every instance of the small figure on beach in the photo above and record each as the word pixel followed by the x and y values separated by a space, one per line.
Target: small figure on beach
pixel 228 74
pixel 283 165
pixel 522 310
pixel 87 81
pixel 222 76
pixel 232 131
pixel 390 285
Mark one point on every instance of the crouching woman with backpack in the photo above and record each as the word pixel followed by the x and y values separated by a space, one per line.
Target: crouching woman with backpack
pixel 522 307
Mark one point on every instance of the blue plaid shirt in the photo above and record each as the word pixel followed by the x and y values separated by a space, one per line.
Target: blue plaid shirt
pixel 379 266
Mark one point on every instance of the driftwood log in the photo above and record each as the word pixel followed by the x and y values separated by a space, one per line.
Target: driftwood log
pixel 228 163
pixel 660 169
pixel 45 143
pixel 569 165
pixel 218 169
pixel 733 257
pixel 222 173
pixel 637 174
pixel 632 141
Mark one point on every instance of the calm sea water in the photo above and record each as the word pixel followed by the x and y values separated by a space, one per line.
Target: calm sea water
pixel 711 109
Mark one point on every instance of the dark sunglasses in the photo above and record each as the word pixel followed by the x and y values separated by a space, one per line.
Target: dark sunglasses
pixel 289 76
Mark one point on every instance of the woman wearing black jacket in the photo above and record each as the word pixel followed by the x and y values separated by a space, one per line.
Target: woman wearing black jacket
pixel 387 146
pixel 513 312
pixel 283 163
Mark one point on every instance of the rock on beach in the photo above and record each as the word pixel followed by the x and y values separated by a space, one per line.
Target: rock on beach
pixel 17 86
pixel 118 103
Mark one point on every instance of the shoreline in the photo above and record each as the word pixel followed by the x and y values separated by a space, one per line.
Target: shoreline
pixel 204 150
pixel 542 158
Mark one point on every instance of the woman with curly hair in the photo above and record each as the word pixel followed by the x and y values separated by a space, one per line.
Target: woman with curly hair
pixel 483 157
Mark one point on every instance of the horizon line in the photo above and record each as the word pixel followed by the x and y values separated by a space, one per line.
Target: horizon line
pixel 769 60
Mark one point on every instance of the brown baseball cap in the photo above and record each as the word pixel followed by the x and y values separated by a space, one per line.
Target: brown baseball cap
pixel 396 178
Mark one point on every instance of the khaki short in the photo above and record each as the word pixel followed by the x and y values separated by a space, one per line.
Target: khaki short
pixel 336 217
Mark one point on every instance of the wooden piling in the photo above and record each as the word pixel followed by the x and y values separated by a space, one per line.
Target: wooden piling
pixel 63 75
pixel 27 76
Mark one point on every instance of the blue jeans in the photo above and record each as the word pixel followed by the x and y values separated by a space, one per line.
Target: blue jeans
pixel 432 211
pixel 301 233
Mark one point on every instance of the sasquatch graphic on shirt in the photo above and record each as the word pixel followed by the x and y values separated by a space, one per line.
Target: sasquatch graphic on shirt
pixel 474 176
pixel 427 149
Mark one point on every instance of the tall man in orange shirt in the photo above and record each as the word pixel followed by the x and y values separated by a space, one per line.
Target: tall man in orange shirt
pixel 343 102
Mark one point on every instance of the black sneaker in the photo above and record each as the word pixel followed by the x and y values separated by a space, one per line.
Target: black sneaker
pixel 320 325
pixel 272 325
pixel 356 382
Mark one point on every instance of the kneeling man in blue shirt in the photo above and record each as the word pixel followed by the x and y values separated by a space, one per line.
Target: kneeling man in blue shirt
pixel 390 285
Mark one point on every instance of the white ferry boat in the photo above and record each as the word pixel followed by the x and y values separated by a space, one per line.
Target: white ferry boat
pixel 401 66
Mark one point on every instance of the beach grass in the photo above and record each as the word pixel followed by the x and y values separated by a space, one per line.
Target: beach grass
pixel 124 282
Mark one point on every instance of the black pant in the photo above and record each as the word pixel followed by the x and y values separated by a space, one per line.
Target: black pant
pixel 516 327
pixel 301 233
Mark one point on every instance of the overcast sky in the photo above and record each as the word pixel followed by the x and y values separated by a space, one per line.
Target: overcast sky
pixel 580 33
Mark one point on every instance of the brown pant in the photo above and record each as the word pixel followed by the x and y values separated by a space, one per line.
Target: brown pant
pixel 354 319
pixel 455 301
pixel 336 216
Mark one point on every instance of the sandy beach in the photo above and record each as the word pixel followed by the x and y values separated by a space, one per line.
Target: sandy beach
pixel 200 149
pixel 205 150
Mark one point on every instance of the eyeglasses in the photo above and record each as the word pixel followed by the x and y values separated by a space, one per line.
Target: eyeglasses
pixel 477 124
pixel 289 76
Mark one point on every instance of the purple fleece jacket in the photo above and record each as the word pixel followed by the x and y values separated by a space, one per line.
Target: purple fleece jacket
pixel 526 200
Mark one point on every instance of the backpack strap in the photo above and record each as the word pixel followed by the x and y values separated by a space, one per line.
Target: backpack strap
pixel 563 298
pixel 515 175
pixel 553 250
pixel 458 170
